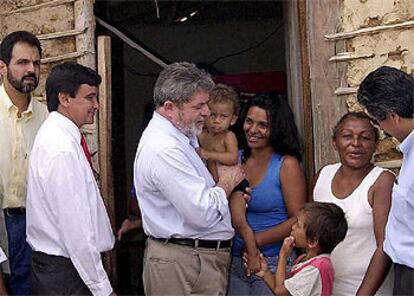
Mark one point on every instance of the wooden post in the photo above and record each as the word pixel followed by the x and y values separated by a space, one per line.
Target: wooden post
pixel 85 43
pixel 306 94
pixel 322 18
pixel 105 136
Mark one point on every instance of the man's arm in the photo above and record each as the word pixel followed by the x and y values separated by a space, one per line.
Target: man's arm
pixel 201 204
pixel 70 193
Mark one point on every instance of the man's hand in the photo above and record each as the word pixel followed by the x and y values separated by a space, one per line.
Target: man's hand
pixel 128 225
pixel 203 153
pixel 229 177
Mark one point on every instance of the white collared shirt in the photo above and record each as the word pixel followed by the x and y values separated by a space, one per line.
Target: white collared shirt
pixel 65 211
pixel 176 193
pixel 399 232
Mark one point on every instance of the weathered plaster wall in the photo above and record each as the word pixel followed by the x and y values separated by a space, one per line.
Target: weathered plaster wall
pixel 393 47
pixel 56 17
pixel 40 21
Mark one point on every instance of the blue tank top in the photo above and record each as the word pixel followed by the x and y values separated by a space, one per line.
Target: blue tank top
pixel 266 207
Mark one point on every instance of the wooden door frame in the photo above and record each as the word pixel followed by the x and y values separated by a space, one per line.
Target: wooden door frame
pixel 298 77
pixel 105 143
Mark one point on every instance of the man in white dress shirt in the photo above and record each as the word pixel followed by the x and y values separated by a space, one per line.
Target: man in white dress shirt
pixel 388 95
pixel 184 213
pixel 67 223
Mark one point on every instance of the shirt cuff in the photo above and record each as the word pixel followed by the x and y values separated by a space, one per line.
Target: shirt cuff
pixel 223 203
pixel 101 289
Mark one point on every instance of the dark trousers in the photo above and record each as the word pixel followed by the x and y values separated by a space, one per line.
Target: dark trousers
pixel 403 280
pixel 55 275
pixel 20 253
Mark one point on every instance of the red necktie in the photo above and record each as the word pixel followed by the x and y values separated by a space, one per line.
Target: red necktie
pixel 89 158
pixel 86 151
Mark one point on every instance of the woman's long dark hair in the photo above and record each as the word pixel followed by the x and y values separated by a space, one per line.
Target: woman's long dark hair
pixel 284 137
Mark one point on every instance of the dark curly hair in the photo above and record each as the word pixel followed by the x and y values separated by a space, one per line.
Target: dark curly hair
pixel 284 136
pixel 326 223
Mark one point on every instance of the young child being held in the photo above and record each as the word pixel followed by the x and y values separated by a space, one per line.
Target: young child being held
pixel 319 228
pixel 217 143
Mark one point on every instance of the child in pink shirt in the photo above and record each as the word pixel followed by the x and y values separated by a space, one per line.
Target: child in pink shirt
pixel 318 229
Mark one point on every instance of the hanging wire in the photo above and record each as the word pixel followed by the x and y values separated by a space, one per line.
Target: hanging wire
pixel 157 8
pixel 256 45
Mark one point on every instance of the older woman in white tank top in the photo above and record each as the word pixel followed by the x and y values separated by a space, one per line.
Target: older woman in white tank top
pixel 363 191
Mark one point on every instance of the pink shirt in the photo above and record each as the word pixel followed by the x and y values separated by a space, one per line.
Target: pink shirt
pixel 312 277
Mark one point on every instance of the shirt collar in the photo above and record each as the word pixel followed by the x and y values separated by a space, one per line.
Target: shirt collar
pixel 170 128
pixel 407 144
pixel 8 105
pixel 66 124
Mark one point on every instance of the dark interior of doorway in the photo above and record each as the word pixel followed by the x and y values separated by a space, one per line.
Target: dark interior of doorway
pixel 252 44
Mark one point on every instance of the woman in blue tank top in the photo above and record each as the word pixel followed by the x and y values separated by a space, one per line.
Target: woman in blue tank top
pixel 271 159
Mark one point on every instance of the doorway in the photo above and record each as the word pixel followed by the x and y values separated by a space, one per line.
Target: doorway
pixel 227 38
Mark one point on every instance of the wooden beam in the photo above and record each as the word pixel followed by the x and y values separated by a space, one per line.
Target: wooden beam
pixel 84 18
pixel 37 7
pixel 344 91
pixel 62 34
pixel 105 136
pixel 306 93
pixel 349 56
pixel 66 56
pixel 325 77
pixel 390 164
pixel 370 30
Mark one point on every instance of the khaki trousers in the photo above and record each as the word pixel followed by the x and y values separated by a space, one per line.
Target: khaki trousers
pixel 171 269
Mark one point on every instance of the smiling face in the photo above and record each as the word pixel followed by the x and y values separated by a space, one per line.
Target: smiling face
pixel 221 117
pixel 256 128
pixel 191 116
pixel 355 142
pixel 23 69
pixel 81 108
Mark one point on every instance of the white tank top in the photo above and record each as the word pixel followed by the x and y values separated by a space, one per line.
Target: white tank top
pixel 351 257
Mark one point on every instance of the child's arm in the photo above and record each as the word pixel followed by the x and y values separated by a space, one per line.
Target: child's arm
pixel 230 157
pixel 280 275
pixel 238 214
pixel 265 273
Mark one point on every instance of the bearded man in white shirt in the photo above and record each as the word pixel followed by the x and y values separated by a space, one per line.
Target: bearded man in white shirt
pixel 184 213
pixel 67 223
